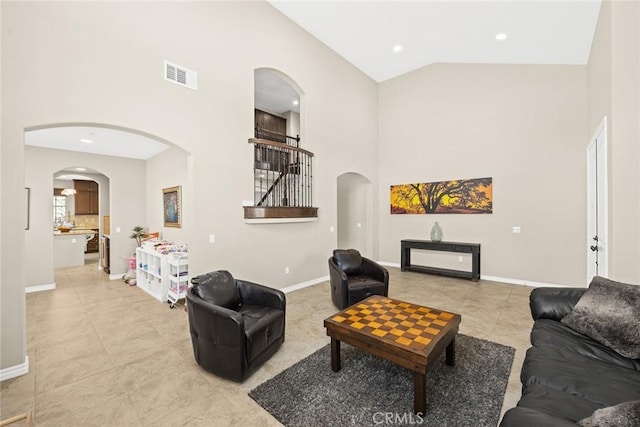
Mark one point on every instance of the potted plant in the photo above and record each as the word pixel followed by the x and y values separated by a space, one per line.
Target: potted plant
pixel 138 234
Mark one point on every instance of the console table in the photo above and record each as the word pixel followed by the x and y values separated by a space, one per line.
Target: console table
pixel 470 248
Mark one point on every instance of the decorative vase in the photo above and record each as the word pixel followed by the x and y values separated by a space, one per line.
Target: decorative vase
pixel 436 233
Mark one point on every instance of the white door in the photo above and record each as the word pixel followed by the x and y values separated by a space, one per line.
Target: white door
pixel 597 212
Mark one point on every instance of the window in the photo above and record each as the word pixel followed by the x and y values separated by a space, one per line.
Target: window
pixel 59 209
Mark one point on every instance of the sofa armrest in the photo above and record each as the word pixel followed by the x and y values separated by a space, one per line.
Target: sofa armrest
pixel 255 294
pixel 553 303
pixel 375 270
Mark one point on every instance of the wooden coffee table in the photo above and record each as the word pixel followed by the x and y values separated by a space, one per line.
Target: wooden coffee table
pixel 406 334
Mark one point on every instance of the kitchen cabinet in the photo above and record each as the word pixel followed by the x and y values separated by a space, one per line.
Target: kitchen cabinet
pixel 86 197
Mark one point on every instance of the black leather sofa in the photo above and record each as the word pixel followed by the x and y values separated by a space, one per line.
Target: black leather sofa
pixel 235 325
pixel 566 376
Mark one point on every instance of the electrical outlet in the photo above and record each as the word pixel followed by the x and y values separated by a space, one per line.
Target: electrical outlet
pixel 117 229
pixel 73 240
pixel 459 258
pixel 331 229
pixel 516 230
pixel 358 225
pixel 286 270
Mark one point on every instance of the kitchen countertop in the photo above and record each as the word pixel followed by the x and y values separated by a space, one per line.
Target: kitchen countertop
pixel 75 231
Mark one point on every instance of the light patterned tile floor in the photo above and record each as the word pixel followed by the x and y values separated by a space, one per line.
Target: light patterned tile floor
pixel 103 353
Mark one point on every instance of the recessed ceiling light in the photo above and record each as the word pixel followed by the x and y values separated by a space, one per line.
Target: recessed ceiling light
pixel 296 102
pixel 501 36
pixel 397 48
pixel 81 169
pixel 86 141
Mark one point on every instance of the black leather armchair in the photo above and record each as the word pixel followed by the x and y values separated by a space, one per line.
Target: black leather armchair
pixel 354 278
pixel 235 325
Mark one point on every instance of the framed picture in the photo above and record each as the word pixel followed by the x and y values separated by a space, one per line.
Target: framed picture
pixel 172 210
pixel 27 195
pixel 462 196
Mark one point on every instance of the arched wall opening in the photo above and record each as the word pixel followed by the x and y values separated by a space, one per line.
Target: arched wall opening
pixel 132 174
pixel 80 202
pixel 355 207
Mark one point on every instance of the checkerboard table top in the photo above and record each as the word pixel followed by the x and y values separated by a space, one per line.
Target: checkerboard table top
pixel 408 325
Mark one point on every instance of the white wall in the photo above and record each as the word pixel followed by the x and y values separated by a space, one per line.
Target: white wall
pixel 167 169
pixel 293 123
pixel 525 126
pixel 614 91
pixel 127 186
pixel 108 71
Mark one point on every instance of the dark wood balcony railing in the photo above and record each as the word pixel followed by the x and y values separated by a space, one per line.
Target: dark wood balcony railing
pixel 277 137
pixel 282 179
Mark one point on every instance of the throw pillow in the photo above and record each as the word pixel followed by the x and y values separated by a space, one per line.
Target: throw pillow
pixel 609 312
pixel 626 414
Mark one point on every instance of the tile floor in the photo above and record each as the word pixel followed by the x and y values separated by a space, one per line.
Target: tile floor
pixel 103 353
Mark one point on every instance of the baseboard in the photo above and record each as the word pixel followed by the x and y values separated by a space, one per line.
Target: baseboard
pixel 304 284
pixel 15 371
pixel 39 288
pixel 496 278
pixel 520 282
pixel 389 264
pixel 393 264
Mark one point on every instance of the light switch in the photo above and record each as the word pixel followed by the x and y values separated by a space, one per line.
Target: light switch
pixel 73 240
pixel 516 230
pixel 212 238
pixel 358 225
pixel 117 229
pixel 331 229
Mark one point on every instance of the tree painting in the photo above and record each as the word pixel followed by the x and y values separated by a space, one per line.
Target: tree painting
pixel 464 196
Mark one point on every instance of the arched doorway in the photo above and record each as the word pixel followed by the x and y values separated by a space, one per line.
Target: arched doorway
pixel 355 207
pixel 135 175
pixel 81 202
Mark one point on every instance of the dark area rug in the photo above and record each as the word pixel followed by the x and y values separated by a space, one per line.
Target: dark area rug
pixel 370 391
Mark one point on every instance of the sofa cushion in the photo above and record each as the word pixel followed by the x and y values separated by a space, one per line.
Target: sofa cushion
pixel 217 288
pixel 609 312
pixel 361 287
pixel 349 261
pixel 591 379
pixel 626 414
pixel 557 402
pixel 262 326
pixel 525 417
pixel 554 334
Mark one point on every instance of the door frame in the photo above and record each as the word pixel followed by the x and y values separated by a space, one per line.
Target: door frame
pixel 597 188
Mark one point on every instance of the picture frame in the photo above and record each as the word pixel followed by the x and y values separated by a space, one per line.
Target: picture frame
pixel 172 206
pixel 460 196
pixel 27 195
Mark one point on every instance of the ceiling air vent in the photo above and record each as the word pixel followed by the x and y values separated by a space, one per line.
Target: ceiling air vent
pixel 180 75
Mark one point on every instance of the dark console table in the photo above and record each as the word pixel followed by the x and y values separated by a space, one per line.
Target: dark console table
pixel 470 248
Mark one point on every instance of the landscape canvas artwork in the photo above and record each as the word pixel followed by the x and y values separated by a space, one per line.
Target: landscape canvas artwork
pixel 462 196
